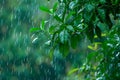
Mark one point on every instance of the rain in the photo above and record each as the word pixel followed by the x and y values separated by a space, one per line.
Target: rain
pixel 54 40
pixel 23 56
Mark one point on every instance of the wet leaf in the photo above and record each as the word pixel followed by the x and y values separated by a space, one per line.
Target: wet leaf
pixel 55 7
pixel 91 56
pixel 51 53
pixel 74 41
pixel 69 15
pixel 35 29
pixel 72 4
pixel 73 71
pixel 101 14
pixel 64 49
pixel 94 46
pixel 52 29
pixel 64 36
pixel 42 26
pixel 45 9
pixel 58 18
pixel 89 7
pixel 70 28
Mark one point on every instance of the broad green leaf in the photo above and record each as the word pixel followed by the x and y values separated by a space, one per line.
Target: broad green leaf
pixel 74 41
pixel 103 27
pixel 42 25
pixel 55 7
pixel 89 13
pixel 88 17
pixel 65 1
pixel 64 48
pixel 94 46
pixel 72 5
pixel 58 18
pixel 51 52
pixel 101 14
pixel 64 36
pixel 35 29
pixel 45 9
pixel 52 29
pixel 91 56
pixel 89 7
pixel 70 28
pixel 69 15
pixel 73 71
pixel 102 1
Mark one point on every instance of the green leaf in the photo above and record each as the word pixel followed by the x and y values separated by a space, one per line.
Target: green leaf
pixel 102 1
pixel 69 15
pixel 55 7
pixel 65 1
pixel 94 46
pixel 101 14
pixel 70 28
pixel 88 17
pixel 58 18
pixel 103 27
pixel 51 53
pixel 52 29
pixel 45 9
pixel 74 41
pixel 63 36
pixel 64 49
pixel 89 7
pixel 91 56
pixel 73 71
pixel 72 5
pixel 35 29
pixel 42 26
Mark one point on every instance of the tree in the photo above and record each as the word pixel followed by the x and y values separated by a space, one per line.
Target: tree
pixel 99 20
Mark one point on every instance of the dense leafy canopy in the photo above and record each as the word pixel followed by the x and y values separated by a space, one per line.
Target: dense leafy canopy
pixel 99 20
pixel 59 39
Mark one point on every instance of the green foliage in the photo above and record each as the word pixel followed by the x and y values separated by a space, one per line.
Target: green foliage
pixel 45 9
pixel 75 18
pixel 109 65
pixel 68 33
pixel 34 29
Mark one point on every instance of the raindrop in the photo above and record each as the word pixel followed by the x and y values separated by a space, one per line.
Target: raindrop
pixel 35 39
pixel 117 54
pixel 71 5
pixel 110 45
